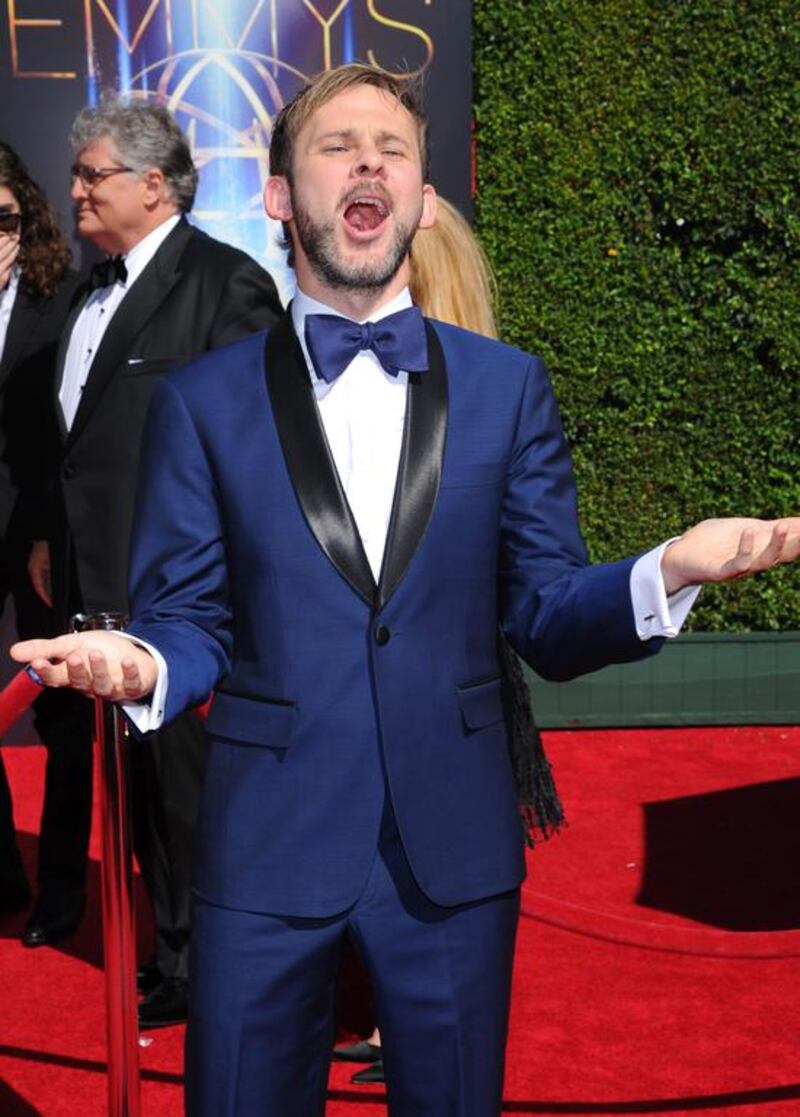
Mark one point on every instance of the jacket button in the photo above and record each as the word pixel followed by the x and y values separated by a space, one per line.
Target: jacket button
pixel 382 635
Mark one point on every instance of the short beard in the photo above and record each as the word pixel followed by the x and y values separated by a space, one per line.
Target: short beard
pixel 319 245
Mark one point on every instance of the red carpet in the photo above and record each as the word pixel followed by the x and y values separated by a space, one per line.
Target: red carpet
pixel 658 967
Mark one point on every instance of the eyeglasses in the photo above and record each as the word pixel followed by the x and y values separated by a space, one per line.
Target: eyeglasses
pixel 10 222
pixel 90 176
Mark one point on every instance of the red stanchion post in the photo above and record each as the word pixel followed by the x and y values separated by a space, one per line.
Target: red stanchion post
pixel 112 760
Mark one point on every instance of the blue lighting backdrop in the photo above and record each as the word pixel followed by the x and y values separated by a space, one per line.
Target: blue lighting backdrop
pixel 225 68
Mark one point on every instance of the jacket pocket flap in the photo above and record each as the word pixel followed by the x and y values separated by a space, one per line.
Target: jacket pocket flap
pixel 251 721
pixel 481 704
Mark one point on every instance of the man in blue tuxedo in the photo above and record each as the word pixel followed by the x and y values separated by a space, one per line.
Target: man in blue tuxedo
pixel 332 517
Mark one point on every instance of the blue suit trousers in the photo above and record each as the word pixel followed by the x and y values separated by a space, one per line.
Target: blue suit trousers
pixel 261 1016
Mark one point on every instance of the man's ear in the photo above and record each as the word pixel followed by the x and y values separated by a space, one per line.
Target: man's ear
pixel 429 202
pixel 277 198
pixel 154 186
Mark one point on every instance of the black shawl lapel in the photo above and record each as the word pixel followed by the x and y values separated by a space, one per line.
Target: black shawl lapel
pixel 139 304
pixel 309 460
pixel 420 467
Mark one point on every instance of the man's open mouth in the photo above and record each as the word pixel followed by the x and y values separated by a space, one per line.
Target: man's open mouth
pixel 365 213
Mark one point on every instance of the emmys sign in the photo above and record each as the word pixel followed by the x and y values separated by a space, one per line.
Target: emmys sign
pixel 225 68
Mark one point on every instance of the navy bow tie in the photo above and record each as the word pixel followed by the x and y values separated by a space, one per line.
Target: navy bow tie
pixel 398 342
pixel 108 271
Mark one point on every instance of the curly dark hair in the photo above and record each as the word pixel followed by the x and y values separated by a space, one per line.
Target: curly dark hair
pixel 43 253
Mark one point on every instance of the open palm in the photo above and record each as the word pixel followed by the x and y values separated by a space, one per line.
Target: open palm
pixel 719 550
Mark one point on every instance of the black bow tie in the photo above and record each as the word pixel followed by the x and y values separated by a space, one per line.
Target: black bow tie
pixel 108 271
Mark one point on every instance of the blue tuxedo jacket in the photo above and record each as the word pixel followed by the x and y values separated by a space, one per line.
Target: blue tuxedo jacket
pixel 249 576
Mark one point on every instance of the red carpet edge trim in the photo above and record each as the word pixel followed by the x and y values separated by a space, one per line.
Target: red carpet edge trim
pixel 657 936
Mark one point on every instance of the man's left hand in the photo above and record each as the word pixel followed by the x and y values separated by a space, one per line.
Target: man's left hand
pixel 723 549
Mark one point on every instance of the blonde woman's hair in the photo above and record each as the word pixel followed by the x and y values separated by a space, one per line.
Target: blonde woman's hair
pixel 450 276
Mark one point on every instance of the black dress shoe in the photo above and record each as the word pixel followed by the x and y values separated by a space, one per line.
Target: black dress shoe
pixel 369 1075
pixel 56 914
pixel 361 1052
pixel 166 1005
pixel 148 977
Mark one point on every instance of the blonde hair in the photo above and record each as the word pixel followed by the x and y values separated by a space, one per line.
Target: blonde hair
pixel 327 85
pixel 451 278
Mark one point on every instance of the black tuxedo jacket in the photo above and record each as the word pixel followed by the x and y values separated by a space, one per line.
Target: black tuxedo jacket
pixel 27 418
pixel 195 294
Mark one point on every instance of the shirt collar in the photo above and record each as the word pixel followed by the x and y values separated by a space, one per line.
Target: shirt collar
pixel 303 305
pixel 143 252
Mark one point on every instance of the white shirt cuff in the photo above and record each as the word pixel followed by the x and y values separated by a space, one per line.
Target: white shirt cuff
pixel 148 714
pixel 655 613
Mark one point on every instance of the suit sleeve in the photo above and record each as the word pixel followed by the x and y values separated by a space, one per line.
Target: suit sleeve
pixel 564 616
pixel 248 303
pixel 178 573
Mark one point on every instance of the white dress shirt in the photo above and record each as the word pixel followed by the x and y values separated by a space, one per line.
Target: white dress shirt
pixel 95 316
pixel 362 413
pixel 8 296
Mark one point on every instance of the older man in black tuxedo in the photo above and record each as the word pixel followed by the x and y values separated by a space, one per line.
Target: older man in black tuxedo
pixel 166 292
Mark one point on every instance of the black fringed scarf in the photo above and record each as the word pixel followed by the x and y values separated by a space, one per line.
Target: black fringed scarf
pixel 540 808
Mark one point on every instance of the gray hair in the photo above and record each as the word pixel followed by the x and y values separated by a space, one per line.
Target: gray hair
pixel 145 135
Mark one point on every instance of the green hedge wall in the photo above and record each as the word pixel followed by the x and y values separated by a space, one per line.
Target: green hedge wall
pixel 638 186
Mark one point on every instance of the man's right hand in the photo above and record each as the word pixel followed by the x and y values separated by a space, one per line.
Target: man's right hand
pixel 39 570
pixel 99 664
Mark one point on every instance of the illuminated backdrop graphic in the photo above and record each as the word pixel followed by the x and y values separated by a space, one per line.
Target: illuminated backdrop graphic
pixel 225 67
